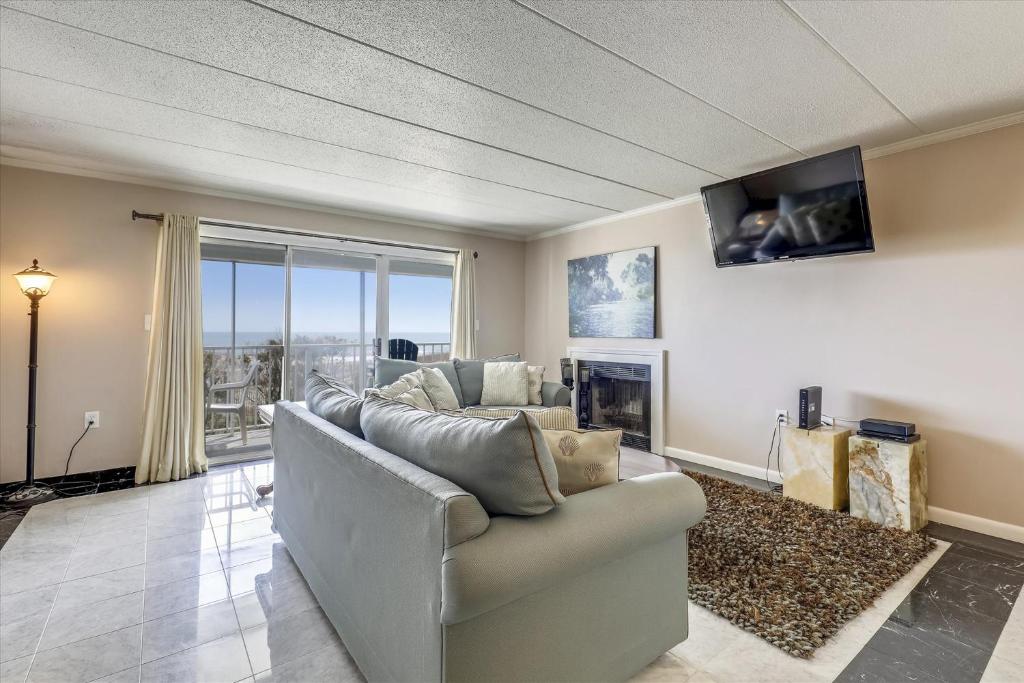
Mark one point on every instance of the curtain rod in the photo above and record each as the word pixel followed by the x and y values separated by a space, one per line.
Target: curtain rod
pixel 280 231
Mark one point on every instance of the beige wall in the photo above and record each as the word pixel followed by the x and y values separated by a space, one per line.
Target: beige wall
pixel 929 329
pixel 93 346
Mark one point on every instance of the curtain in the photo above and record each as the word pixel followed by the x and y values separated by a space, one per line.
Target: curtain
pixel 464 306
pixel 173 420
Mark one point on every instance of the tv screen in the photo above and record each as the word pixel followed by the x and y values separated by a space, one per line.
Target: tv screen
pixel 810 208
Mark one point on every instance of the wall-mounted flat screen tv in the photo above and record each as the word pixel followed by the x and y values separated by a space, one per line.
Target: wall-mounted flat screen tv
pixel 810 208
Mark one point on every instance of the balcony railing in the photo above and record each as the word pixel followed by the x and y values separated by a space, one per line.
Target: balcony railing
pixel 345 361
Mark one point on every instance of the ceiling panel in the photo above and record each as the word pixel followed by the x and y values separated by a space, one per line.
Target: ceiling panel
pixel 945 64
pixel 506 48
pixel 183 163
pixel 754 59
pixel 251 40
pixel 47 49
pixel 33 95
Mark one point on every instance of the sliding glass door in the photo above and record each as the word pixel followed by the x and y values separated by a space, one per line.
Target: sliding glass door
pixel 333 318
pixel 272 313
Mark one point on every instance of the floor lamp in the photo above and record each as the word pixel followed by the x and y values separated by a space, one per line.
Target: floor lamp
pixel 35 283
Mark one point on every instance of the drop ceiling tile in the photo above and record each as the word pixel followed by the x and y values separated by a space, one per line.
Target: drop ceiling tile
pixel 945 64
pixel 508 49
pixel 182 163
pixel 47 49
pixel 755 60
pixel 33 95
pixel 255 41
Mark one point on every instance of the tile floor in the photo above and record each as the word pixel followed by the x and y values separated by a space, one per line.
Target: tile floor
pixel 188 582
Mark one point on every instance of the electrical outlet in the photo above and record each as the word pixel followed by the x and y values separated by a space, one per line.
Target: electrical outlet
pixel 92 419
pixel 783 413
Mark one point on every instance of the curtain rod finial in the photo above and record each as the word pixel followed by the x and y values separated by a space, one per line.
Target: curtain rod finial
pixel 135 214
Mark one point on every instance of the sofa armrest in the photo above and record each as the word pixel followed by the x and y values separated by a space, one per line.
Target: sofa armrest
pixel 555 394
pixel 519 556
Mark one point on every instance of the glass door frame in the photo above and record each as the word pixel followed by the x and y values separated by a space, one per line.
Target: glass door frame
pixel 337 244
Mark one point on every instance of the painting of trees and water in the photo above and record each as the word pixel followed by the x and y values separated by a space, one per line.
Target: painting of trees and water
pixel 612 295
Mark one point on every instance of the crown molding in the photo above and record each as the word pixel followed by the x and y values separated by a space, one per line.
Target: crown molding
pixel 874 153
pixel 125 176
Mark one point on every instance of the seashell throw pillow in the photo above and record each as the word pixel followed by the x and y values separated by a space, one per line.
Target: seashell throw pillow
pixel 585 459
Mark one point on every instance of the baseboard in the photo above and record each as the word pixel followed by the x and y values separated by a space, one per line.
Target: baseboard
pixel 961 520
pixel 981 525
pixel 752 471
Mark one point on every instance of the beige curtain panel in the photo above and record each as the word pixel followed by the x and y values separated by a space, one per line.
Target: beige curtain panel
pixel 172 440
pixel 464 306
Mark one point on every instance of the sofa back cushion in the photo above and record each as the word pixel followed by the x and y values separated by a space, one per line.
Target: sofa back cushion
pixel 388 370
pixel 506 464
pixel 471 376
pixel 334 401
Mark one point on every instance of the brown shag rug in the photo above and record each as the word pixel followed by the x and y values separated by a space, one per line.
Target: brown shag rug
pixel 789 572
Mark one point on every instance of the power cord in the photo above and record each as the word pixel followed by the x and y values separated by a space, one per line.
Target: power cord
pixel 67 465
pixel 69 489
pixel 840 419
pixel 778 423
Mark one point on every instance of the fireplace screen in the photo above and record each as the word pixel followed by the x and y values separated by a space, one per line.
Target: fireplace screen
pixel 616 396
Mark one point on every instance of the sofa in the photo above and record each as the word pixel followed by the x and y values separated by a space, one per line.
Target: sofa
pixel 423 585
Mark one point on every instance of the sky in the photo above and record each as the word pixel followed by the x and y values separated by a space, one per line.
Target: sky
pixel 323 301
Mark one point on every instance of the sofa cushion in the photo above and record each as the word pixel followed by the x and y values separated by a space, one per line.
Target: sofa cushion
pixel 388 370
pixel 548 417
pixel 332 400
pixel 506 464
pixel 471 376
pixel 505 384
pixel 585 459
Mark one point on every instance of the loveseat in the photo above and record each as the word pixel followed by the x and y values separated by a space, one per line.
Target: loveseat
pixel 422 584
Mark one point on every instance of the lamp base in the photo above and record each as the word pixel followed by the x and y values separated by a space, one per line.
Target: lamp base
pixel 29 494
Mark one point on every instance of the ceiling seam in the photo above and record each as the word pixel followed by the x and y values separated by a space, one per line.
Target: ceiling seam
pixel 339 103
pixel 807 25
pixel 664 80
pixel 307 139
pixel 270 161
pixel 482 87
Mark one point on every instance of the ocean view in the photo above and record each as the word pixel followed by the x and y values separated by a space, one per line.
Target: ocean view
pixel 261 338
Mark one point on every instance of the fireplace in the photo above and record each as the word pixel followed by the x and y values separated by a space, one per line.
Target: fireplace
pixel 616 395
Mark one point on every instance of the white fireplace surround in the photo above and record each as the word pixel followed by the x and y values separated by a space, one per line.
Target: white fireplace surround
pixel 653 357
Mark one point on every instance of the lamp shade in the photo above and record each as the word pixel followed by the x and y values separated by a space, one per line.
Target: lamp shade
pixel 34 281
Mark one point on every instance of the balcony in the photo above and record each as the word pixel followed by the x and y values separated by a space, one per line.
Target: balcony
pixel 348 362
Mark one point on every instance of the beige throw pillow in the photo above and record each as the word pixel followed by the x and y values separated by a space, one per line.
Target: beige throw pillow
pixel 438 389
pixel 585 459
pixel 416 398
pixel 505 384
pixel 406 389
pixel 536 375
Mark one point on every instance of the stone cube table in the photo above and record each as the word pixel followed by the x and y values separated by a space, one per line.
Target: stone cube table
pixel 814 465
pixel 889 482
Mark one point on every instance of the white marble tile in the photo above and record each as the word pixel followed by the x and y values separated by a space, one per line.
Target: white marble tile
pixel 129 675
pixel 33 603
pixel 281 641
pixel 72 625
pixel 234 534
pixel 20 576
pixel 272 599
pixel 1001 670
pixel 279 567
pixel 249 550
pixel 222 660
pixel 240 513
pixel 137 505
pixel 15 670
pixel 668 668
pixel 79 593
pixel 196 591
pixel 1010 646
pixel 180 567
pixel 87 561
pixel 187 629
pixel 87 660
pixel 114 522
pixel 19 637
pixel 180 544
pixel 114 537
pixel 331 663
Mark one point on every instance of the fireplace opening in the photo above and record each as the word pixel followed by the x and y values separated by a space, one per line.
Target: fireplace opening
pixel 616 396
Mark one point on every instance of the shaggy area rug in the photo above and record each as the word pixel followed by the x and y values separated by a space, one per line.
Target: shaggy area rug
pixel 787 571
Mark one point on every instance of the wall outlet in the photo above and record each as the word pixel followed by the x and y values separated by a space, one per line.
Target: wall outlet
pixel 783 413
pixel 92 416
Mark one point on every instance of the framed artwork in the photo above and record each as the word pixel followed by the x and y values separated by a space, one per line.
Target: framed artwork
pixel 612 295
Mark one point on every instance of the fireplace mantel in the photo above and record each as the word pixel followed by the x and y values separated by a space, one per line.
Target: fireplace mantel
pixel 653 357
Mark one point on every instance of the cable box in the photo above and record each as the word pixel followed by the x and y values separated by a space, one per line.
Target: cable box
pixel 890 427
pixel 910 438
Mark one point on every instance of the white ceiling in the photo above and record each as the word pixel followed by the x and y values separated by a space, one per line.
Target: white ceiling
pixel 514 116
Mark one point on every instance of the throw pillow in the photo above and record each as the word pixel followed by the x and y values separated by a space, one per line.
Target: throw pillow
pixel 407 389
pixel 505 384
pixel 388 370
pixel 438 390
pixel 506 464
pixel 536 383
pixel 417 398
pixel 471 376
pixel 585 459
pixel 335 402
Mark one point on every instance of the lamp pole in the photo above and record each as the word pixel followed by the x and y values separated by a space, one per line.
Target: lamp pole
pixel 33 366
